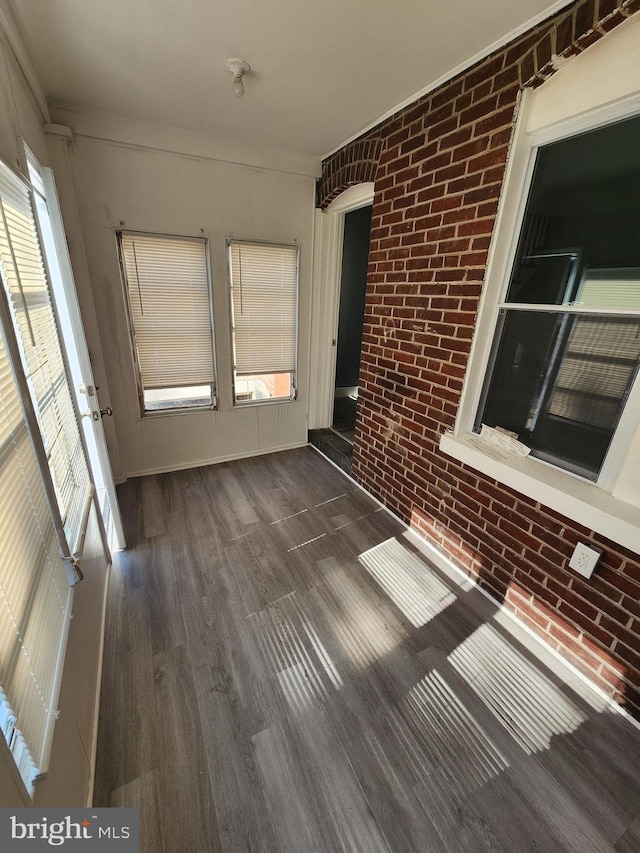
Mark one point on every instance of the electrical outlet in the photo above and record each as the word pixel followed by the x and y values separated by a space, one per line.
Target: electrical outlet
pixel 584 559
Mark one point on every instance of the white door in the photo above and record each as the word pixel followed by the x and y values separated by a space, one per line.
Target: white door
pixel 77 354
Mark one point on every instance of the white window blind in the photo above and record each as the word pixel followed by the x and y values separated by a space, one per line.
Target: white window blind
pixel 596 370
pixel 610 288
pixel 25 281
pixel 264 297
pixel 168 290
pixel 35 599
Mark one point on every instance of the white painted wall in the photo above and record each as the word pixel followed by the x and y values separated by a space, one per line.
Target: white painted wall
pixel 144 185
pixel 70 769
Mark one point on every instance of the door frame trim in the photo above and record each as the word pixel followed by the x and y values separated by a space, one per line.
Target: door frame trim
pixel 327 274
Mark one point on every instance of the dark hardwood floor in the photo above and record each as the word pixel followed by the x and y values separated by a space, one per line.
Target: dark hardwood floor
pixel 284 671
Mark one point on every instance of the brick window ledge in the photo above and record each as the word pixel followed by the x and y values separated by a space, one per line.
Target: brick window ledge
pixel 576 499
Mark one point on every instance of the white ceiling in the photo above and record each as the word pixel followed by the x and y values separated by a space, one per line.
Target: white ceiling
pixel 322 70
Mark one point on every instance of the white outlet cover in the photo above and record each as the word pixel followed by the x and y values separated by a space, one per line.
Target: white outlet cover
pixel 584 559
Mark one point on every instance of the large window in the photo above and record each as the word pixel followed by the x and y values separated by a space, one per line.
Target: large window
pixel 45 489
pixel 263 281
pixel 567 346
pixel 168 295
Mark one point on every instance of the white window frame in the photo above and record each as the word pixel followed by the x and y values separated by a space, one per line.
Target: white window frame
pixel 593 505
pixel 168 410
pixel 293 392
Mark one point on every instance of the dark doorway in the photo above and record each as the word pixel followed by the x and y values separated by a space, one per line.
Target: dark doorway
pixel 353 285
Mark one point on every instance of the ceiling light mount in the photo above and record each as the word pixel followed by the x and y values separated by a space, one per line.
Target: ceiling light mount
pixel 237 67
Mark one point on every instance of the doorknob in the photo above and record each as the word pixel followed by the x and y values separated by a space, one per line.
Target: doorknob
pixel 108 411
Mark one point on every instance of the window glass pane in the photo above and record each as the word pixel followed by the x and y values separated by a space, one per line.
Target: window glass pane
pixel 156 399
pixel 265 386
pixel 559 380
pixel 582 214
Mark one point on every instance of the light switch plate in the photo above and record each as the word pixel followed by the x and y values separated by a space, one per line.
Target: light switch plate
pixel 584 559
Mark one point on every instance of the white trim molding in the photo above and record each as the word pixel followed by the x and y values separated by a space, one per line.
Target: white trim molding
pixel 327 271
pixel 506 39
pixel 132 133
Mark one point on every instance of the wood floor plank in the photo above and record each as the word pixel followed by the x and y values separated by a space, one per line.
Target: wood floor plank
pixel 243 508
pixel 284 670
pixel 152 507
pixel 130 501
pixel 458 824
pixel 242 673
pixel 629 842
pixel 380 773
pixel 182 779
pixel 260 575
pixel 296 815
pixel 347 813
pixel 142 794
pixel 545 816
pixel 125 752
pixel 162 590
pixel 242 816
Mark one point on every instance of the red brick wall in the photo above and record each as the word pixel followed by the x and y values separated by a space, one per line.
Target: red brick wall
pixel 439 174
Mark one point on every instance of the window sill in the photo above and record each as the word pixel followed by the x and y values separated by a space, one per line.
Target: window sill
pixel 151 414
pixel 275 401
pixel 574 498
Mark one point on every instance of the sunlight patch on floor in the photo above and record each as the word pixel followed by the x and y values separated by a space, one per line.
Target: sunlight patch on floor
pixel 408 581
pixel 353 617
pixel 530 706
pixel 449 735
pixel 295 653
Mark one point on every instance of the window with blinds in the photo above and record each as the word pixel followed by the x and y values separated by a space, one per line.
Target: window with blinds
pixel 32 311
pixel 168 296
pixel 35 598
pixel 263 283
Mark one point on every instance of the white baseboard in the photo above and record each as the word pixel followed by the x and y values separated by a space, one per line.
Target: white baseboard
pixel 201 463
